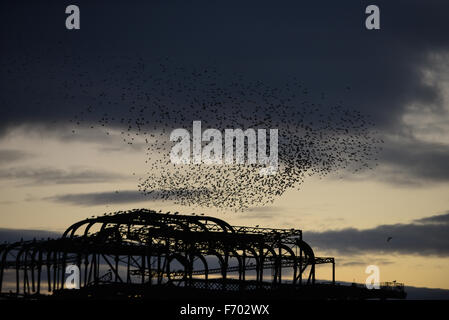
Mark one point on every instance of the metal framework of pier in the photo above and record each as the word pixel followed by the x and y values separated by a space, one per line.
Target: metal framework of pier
pixel 152 248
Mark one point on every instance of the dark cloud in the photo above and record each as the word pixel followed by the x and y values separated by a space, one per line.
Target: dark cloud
pixel 99 198
pixel 408 163
pixel 356 261
pixel 427 236
pixel 266 209
pixel 414 161
pixel 438 219
pixel 267 212
pixel 13 235
pixel 353 263
pixel 35 176
pixel 117 197
pixel 323 43
pixel 11 155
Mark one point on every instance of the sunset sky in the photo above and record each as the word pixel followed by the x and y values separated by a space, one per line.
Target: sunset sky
pixel 398 75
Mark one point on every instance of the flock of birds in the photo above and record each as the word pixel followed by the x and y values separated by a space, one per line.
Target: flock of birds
pixel 315 138
pixel 143 102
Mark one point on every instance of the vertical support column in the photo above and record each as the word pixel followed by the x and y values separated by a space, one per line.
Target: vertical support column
pixel 55 270
pixel 32 267
pixel 300 265
pixel 280 264
pixel 116 267
pixel 18 275
pixel 128 266
pixel 98 269
pixel 159 271
pixel 1 267
pixel 143 268
pixel 150 271
pixel 243 271
pixel 128 269
pixel 313 273
pixel 224 268
pixel 333 271
pixel 261 264
pixel 48 263
pixel 63 266
pixel 79 264
pixel 25 273
pixel 39 270
pixel 86 269
pixel 94 262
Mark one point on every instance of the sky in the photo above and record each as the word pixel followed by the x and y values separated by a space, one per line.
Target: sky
pixel 51 177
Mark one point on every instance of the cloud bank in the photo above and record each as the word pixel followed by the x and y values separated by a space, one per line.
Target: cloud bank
pixel 425 237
